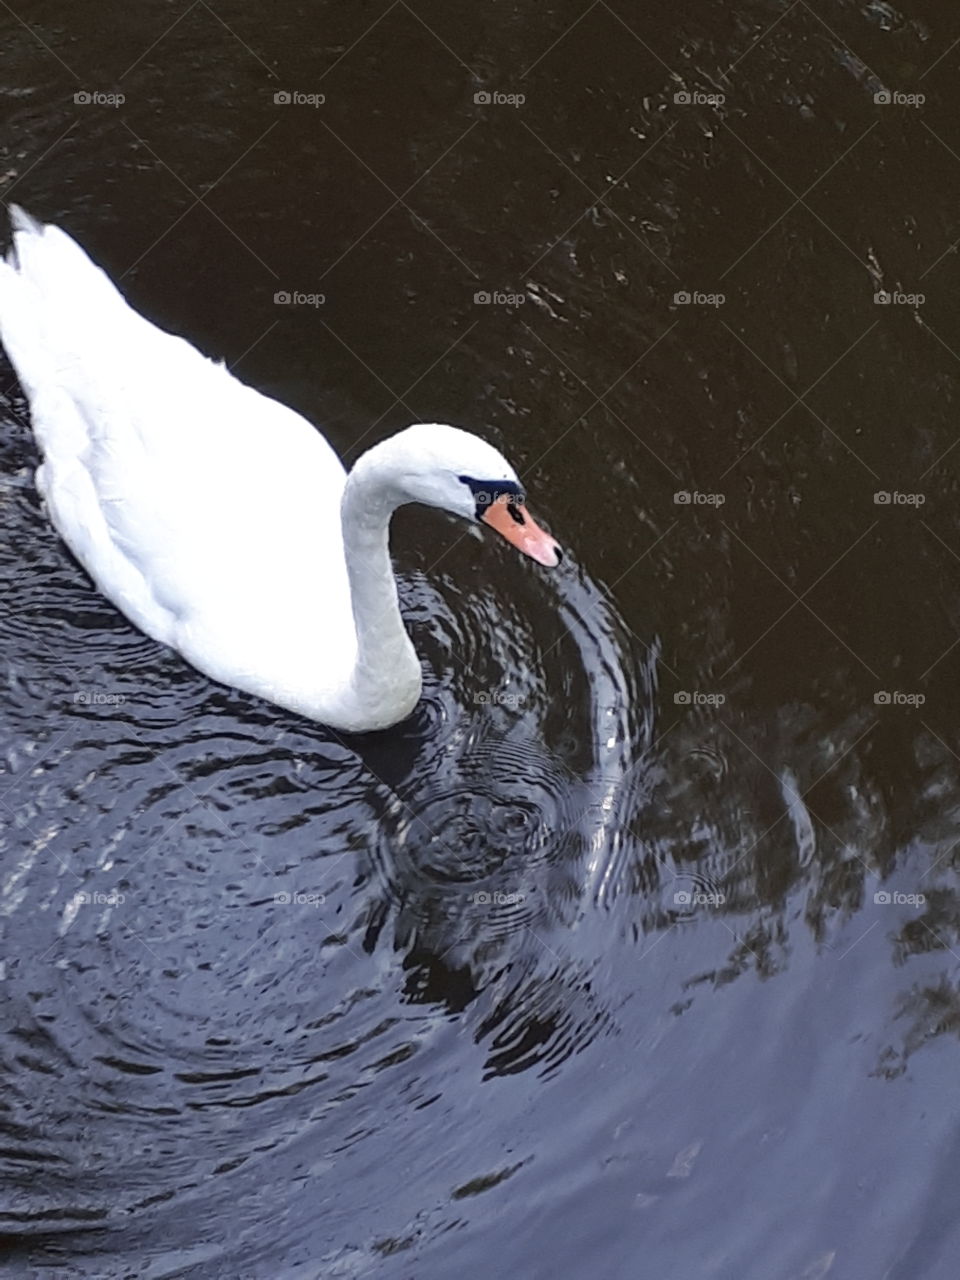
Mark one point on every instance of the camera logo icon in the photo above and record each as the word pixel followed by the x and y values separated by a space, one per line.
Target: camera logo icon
pixel 682 99
pixel 482 298
pixel 282 98
pixel 882 98
pixel 482 98
pixel 282 298
pixel 682 898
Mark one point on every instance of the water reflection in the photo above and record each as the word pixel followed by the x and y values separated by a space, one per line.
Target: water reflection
pixel 493 843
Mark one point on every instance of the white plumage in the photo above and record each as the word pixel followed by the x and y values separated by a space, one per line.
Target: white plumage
pixel 210 514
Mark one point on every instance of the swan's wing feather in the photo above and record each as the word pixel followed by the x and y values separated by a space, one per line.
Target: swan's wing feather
pixel 134 423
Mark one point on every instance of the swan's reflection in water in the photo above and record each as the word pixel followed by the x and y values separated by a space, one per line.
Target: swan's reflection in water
pixel 492 849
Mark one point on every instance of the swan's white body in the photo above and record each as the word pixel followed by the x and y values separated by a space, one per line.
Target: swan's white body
pixel 218 520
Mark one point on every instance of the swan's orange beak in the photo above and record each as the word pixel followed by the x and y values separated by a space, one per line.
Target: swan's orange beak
pixel 512 520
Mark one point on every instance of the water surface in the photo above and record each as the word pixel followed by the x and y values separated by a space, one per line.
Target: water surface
pixel 634 952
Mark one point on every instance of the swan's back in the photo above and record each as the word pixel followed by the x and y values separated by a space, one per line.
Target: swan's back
pixel 208 513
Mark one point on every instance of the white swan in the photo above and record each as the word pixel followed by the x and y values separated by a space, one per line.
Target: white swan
pixel 218 520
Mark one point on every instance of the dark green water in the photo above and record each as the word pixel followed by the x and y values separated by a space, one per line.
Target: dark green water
pixel 635 953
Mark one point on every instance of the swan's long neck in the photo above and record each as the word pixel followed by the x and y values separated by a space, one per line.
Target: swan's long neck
pixel 385 683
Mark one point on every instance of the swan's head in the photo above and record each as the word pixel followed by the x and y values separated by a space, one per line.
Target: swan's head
pixel 449 468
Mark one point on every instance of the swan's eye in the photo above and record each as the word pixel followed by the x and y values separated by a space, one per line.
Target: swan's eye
pixel 486 492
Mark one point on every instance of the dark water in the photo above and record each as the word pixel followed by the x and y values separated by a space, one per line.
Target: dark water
pixel 612 962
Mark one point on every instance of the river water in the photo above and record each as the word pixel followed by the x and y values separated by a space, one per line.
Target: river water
pixel 634 953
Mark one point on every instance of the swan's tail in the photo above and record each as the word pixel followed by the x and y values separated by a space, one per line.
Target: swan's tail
pixel 21 328
pixel 51 295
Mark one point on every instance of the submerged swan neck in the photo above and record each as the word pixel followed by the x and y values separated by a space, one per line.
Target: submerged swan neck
pixel 386 680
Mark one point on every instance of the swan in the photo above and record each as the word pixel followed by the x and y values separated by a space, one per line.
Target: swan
pixel 219 521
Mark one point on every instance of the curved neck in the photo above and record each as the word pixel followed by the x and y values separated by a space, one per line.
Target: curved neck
pixel 385 682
